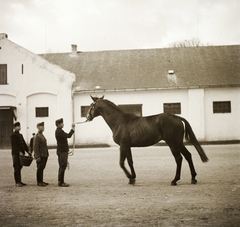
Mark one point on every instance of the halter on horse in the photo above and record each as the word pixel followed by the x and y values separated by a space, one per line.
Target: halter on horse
pixel 130 130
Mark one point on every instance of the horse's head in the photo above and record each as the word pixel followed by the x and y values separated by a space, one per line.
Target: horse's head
pixel 94 108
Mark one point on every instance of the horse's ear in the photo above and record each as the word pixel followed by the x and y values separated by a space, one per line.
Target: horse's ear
pixel 94 98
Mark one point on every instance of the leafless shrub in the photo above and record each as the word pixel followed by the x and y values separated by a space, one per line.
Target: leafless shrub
pixel 194 42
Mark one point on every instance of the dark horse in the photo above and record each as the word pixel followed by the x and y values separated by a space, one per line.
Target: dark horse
pixel 130 130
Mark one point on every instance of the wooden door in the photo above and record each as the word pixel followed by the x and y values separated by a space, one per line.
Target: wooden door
pixel 6 127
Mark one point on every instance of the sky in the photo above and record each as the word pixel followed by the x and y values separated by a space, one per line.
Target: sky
pixel 51 26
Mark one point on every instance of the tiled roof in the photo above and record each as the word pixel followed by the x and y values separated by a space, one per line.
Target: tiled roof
pixel 148 68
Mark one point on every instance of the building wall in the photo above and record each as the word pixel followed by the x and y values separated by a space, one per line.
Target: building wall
pixel 34 82
pixel 196 107
pixel 42 100
pixel 196 112
pixel 222 126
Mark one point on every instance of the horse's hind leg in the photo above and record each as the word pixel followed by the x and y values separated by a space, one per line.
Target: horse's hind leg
pixel 178 159
pixel 187 155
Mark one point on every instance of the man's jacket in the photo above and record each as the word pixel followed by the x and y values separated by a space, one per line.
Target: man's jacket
pixel 61 137
pixel 40 146
pixel 18 143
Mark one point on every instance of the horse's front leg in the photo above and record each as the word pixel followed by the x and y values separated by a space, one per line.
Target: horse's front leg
pixel 130 163
pixel 123 155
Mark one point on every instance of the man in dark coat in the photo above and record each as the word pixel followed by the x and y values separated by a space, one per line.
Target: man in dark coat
pixel 31 143
pixel 19 147
pixel 62 150
pixel 40 153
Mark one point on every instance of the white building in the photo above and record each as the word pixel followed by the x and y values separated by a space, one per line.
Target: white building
pixel 32 90
pixel 201 84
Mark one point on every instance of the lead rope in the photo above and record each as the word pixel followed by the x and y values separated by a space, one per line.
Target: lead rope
pixel 71 153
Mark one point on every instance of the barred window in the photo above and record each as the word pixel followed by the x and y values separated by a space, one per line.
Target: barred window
pixel 132 108
pixel 84 110
pixel 3 74
pixel 172 108
pixel 42 112
pixel 222 107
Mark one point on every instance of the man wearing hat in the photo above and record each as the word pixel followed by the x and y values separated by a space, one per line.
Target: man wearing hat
pixel 62 150
pixel 40 153
pixel 19 147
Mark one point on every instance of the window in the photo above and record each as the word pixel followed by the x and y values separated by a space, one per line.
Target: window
pixel 135 109
pixel 172 108
pixel 41 111
pixel 222 107
pixel 3 74
pixel 84 110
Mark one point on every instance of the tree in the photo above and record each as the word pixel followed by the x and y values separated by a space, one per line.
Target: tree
pixel 194 42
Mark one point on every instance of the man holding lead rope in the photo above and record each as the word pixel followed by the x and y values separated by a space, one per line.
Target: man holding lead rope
pixel 62 150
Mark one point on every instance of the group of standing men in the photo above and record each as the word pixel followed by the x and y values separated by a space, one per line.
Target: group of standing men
pixel 39 146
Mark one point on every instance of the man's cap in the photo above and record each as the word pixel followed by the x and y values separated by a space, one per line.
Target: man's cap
pixel 16 124
pixel 40 124
pixel 59 121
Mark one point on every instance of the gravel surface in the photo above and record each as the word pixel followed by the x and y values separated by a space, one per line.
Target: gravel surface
pixel 99 194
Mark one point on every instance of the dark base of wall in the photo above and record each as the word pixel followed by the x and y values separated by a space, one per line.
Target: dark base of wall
pixel 207 142
pixel 163 144
pixel 92 145
pixel 84 146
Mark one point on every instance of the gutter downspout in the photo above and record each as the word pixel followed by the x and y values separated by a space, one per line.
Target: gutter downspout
pixel 73 115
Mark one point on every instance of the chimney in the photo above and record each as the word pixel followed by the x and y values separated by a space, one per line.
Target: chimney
pixel 3 36
pixel 74 49
pixel 171 77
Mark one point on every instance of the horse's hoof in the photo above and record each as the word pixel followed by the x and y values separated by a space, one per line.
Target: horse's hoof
pixel 173 183
pixel 132 181
pixel 193 181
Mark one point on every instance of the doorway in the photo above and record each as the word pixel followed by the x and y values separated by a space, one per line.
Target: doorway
pixel 6 127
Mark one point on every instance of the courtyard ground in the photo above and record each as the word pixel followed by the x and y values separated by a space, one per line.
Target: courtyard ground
pixel 99 194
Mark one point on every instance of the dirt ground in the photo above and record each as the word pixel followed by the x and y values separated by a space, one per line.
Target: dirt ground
pixel 99 194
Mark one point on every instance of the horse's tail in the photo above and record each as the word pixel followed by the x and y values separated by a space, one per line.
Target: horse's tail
pixel 190 136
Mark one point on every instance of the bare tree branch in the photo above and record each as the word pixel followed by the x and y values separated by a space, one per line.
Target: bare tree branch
pixel 194 42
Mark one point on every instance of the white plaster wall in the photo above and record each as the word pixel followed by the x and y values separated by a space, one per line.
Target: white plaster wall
pixel 222 126
pixel 98 131
pixel 42 100
pixel 196 112
pixel 38 77
pixel 7 100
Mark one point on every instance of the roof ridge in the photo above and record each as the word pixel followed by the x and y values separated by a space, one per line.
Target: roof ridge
pixel 144 49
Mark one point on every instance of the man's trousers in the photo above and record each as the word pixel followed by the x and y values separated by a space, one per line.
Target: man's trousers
pixel 17 169
pixel 62 161
pixel 40 167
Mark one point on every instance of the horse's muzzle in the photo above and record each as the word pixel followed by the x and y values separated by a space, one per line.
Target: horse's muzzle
pixel 89 117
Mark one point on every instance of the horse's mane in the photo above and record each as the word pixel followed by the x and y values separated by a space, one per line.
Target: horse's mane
pixel 112 104
pixel 128 115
